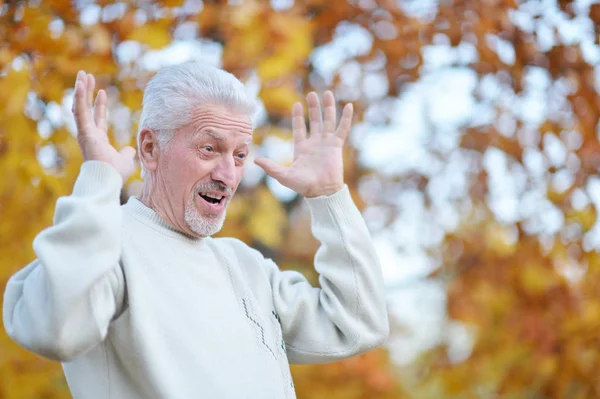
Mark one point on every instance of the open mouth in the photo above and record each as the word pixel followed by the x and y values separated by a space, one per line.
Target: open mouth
pixel 213 198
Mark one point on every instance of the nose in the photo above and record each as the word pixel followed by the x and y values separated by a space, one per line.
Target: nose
pixel 224 172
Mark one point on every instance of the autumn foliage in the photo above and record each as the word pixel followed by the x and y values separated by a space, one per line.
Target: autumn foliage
pixel 518 263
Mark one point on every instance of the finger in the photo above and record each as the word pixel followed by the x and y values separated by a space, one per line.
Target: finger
pixel 298 123
pixel 272 168
pixel 343 129
pixel 328 112
pixel 77 79
pixel 83 117
pixel 314 113
pixel 100 110
pixel 91 84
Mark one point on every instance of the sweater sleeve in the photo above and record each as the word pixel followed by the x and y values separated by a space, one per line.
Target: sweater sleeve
pixel 348 314
pixel 61 304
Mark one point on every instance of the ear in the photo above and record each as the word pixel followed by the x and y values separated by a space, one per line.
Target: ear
pixel 149 150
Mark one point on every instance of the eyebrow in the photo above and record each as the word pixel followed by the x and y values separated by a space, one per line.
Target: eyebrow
pixel 218 137
pixel 215 135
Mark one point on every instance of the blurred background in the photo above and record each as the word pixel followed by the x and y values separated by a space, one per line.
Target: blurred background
pixel 474 158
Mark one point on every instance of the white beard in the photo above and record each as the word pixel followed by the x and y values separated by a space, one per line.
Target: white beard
pixel 203 226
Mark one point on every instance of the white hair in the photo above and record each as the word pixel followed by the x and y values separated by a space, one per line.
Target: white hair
pixel 174 91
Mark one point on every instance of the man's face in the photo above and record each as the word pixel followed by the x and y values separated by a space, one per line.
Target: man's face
pixel 203 166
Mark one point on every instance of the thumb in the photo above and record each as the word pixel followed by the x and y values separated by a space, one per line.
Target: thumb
pixel 271 168
pixel 128 152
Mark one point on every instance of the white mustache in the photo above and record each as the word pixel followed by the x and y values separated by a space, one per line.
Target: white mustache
pixel 214 186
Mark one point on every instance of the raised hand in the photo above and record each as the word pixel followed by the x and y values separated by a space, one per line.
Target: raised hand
pixel 317 168
pixel 92 128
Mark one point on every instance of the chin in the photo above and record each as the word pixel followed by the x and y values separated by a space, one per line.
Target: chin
pixel 204 225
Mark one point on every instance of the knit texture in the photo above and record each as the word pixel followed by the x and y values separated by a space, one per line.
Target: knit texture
pixel 135 309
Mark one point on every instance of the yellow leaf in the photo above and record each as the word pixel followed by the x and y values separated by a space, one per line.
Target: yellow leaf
pixel 6 56
pixel 268 218
pixel 535 279
pixel 96 64
pixel 13 91
pixel 51 87
pixel 132 99
pixel 293 43
pixel 276 66
pixel 585 217
pixel 296 31
pixel 155 34
pixel 279 99
pixel 547 366
pixel 245 47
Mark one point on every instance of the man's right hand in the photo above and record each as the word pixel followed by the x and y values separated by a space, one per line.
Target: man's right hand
pixel 92 128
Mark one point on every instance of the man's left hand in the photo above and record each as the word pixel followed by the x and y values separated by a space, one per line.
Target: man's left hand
pixel 317 168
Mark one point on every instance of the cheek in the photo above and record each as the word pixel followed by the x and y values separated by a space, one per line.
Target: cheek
pixel 189 163
pixel 193 170
pixel 180 168
pixel 239 175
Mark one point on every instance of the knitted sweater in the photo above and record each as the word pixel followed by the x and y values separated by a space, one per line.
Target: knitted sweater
pixel 135 309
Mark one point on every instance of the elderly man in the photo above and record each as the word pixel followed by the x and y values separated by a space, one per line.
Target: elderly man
pixel 138 301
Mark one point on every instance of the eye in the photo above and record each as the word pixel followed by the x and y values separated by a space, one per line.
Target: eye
pixel 241 155
pixel 208 148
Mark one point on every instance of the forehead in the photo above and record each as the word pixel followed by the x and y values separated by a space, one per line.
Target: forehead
pixel 220 121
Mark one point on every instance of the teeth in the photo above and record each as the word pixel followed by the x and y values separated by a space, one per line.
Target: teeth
pixel 217 197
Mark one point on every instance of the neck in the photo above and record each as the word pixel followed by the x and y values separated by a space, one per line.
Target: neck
pixel 145 197
pixel 160 204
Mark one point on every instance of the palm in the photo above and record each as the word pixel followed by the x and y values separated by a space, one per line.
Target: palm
pixel 317 168
pixel 92 128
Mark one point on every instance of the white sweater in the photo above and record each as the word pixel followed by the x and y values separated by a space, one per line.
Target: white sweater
pixel 135 309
